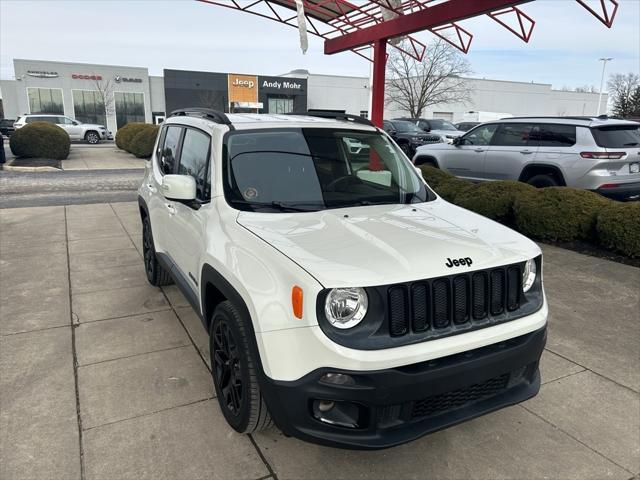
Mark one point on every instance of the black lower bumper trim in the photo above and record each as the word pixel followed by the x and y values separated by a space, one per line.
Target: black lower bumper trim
pixel 402 404
pixel 624 191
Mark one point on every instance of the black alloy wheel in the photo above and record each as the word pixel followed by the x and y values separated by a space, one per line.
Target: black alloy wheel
pixel 227 368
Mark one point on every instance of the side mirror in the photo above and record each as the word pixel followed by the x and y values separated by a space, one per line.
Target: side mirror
pixel 392 132
pixel 457 141
pixel 419 171
pixel 75 123
pixel 179 187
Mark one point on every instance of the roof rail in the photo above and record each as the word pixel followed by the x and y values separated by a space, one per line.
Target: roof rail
pixel 347 117
pixel 558 117
pixel 215 115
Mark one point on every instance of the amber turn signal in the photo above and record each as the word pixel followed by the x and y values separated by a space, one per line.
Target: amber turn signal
pixel 296 301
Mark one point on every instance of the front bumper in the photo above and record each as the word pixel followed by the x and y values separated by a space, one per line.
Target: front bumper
pixel 621 191
pixel 401 404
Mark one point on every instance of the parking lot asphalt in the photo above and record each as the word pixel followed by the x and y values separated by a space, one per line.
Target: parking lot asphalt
pixel 104 377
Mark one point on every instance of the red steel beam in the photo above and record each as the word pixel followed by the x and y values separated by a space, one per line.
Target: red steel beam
pixel 427 18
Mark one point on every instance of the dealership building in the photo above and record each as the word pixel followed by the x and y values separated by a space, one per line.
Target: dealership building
pixel 115 95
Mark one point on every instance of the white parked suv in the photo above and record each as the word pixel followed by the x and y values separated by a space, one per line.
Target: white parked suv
pixel 89 132
pixel 595 153
pixel 344 300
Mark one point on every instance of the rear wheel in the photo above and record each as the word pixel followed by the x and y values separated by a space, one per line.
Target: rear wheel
pixel 543 180
pixel 92 138
pixel 156 274
pixel 234 373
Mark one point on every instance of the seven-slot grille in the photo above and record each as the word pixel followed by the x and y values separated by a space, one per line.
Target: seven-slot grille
pixel 453 301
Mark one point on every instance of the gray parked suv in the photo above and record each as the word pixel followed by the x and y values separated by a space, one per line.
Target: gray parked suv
pixel 89 132
pixel 595 153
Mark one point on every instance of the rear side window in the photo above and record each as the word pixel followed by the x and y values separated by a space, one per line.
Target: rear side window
pixel 552 135
pixel 513 135
pixel 618 136
pixel 194 160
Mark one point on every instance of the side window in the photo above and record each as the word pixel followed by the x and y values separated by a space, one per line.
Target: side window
pixel 551 135
pixel 481 135
pixel 194 158
pixel 167 156
pixel 424 125
pixel 65 121
pixel 513 135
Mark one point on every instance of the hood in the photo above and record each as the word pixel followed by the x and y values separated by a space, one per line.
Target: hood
pixel 384 244
pixel 447 133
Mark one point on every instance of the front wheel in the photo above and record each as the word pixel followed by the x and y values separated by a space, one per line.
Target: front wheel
pixel 92 138
pixel 234 372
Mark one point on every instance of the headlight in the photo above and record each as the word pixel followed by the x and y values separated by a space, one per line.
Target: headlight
pixel 346 307
pixel 528 275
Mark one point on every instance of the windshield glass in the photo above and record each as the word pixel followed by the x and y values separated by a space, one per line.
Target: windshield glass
pixel 441 125
pixel 314 169
pixel 617 136
pixel 404 126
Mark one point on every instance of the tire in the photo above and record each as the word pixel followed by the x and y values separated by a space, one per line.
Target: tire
pixel 406 149
pixel 92 137
pixel 156 273
pixel 233 371
pixel 543 180
pixel 425 161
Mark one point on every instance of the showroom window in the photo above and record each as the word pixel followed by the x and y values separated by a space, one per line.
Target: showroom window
pixel 88 106
pixel 45 100
pixel 280 105
pixel 129 108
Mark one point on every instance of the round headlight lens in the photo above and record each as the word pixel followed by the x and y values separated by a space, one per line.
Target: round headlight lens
pixel 346 307
pixel 528 275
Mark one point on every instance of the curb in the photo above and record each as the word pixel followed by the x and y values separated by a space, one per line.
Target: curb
pixel 11 168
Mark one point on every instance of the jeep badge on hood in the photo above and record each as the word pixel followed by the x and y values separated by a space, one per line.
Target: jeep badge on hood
pixel 457 263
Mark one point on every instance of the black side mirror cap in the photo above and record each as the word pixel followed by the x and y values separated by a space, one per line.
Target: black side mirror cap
pixel 457 141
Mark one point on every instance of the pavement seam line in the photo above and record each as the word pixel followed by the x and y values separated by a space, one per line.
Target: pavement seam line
pixel 574 438
pixel 149 413
pixel 133 355
pixel 263 458
pixel 121 316
pixel 30 331
pixel 74 353
pixel 594 372
pixel 564 376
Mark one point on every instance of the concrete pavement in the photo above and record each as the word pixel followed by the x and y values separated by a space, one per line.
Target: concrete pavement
pixel 105 377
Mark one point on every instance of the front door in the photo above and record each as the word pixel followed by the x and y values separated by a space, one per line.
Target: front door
pixel 511 149
pixel 467 158
pixel 186 235
pixel 72 128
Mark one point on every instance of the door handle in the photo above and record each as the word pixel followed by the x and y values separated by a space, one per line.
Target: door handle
pixel 526 152
pixel 170 208
pixel 151 188
pixel 479 150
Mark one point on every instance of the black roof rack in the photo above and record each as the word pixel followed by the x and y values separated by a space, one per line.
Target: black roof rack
pixel 347 117
pixel 569 117
pixel 215 115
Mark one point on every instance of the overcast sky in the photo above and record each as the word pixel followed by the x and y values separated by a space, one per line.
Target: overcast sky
pixel 567 41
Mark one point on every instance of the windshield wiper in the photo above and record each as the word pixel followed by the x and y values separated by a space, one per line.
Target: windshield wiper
pixel 283 206
pixel 632 144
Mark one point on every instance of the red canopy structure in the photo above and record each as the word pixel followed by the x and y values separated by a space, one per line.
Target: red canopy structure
pixel 358 25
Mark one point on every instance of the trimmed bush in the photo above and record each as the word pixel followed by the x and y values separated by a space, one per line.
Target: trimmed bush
pixel 141 145
pixel 40 140
pixel 618 227
pixel 493 200
pixel 452 188
pixel 125 134
pixel 558 213
pixel 434 176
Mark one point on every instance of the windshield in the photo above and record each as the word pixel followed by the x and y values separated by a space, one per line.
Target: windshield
pixel 441 125
pixel 314 169
pixel 404 126
pixel 617 136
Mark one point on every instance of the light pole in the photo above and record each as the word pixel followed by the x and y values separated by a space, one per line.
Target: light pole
pixel 604 65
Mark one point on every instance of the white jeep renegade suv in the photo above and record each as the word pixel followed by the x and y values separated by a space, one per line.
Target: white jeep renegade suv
pixel 344 299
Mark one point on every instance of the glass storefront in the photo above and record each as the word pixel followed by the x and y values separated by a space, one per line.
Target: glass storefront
pixel 129 108
pixel 280 104
pixel 88 106
pixel 45 100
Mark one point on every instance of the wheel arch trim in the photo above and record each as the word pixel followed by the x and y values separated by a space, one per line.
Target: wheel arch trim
pixel 524 175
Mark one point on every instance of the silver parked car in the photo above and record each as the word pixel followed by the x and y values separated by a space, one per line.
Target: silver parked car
pixel 595 153
pixel 89 132
pixel 443 129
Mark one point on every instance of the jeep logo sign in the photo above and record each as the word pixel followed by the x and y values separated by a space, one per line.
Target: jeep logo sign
pixel 458 262
pixel 243 83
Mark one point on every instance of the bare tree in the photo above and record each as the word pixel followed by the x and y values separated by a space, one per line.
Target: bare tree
pixel 587 89
pixel 105 94
pixel 621 91
pixel 414 85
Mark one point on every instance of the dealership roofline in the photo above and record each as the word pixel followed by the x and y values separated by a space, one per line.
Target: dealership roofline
pixel 58 62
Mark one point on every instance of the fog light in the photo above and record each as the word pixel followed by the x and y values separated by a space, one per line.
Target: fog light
pixel 342 414
pixel 337 379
